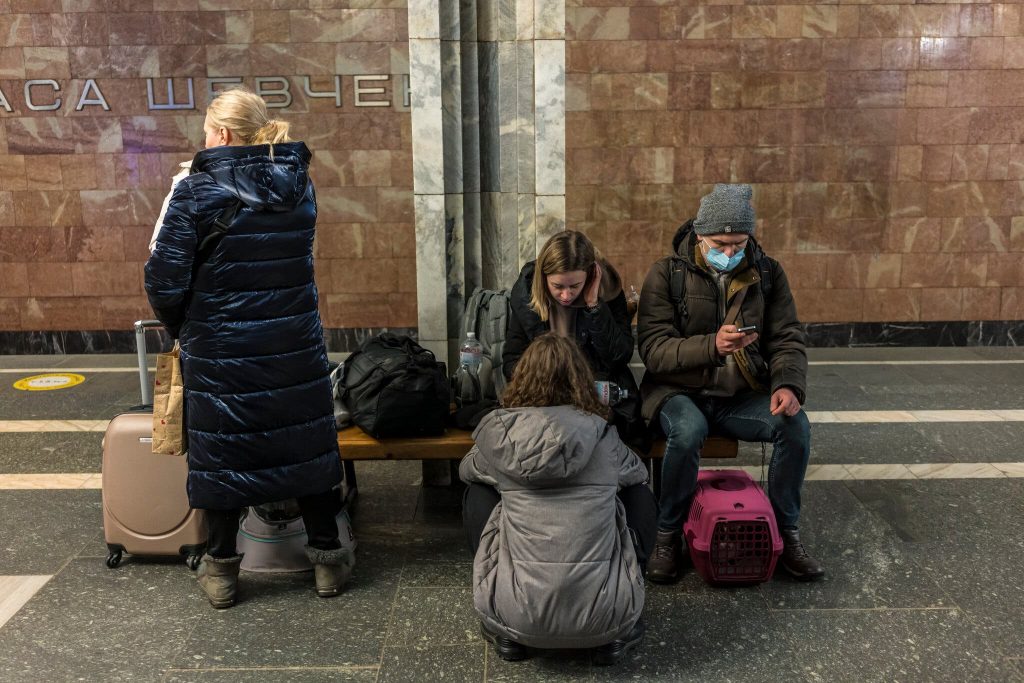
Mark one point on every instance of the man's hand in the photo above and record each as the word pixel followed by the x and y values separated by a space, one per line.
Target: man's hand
pixel 784 402
pixel 729 341
pixel 590 295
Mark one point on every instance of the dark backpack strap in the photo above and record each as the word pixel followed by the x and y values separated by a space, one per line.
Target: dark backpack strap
pixel 764 268
pixel 217 231
pixel 677 290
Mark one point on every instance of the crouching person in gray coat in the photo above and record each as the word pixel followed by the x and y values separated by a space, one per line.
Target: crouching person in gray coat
pixel 557 512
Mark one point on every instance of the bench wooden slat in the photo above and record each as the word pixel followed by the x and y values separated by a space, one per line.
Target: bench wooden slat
pixel 355 444
pixel 714 447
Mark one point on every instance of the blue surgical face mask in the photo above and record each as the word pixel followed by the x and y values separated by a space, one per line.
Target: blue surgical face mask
pixel 720 262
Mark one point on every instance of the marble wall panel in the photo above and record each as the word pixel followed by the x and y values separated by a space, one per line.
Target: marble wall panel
pixel 473 236
pixel 451 117
pixel 490 240
pixel 526 129
pixel 489 127
pixel 549 83
pixel 882 138
pixel 427 115
pixel 550 217
pixel 80 190
pixel 528 245
pixel 456 290
pixel 508 115
pixel 470 88
pixel 449 19
pixel 424 20
pixel 549 19
pixel 431 278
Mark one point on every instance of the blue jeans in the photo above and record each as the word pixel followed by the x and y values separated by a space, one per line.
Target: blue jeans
pixel 686 421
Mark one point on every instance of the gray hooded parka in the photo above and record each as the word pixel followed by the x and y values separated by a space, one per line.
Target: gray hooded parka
pixel 556 566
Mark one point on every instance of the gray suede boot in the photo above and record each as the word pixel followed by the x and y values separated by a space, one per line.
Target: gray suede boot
pixel 332 569
pixel 218 577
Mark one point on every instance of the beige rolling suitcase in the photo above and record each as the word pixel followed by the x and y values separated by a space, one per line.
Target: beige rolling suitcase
pixel 145 507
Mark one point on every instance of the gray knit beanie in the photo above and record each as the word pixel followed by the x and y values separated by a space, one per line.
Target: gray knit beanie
pixel 726 209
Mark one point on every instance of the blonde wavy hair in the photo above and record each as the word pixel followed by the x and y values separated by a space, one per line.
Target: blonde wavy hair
pixel 566 251
pixel 553 372
pixel 245 114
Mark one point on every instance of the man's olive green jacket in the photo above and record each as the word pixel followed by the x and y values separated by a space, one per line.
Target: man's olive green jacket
pixel 677 339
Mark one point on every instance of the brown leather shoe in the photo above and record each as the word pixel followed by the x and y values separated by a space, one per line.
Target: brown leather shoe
pixel 795 559
pixel 663 565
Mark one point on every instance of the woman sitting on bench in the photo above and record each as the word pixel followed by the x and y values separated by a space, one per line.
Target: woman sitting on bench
pixel 572 291
pixel 557 513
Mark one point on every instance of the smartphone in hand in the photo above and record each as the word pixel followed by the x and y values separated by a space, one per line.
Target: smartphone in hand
pixel 749 329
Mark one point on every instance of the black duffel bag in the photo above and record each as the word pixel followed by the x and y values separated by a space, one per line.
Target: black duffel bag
pixel 394 387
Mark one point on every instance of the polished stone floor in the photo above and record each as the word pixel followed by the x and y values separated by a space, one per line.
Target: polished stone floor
pixel 918 522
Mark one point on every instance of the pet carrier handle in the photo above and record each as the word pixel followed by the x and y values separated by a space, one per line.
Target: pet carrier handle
pixel 140 348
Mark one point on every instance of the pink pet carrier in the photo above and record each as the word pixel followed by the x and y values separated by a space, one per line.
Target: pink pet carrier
pixel 731 529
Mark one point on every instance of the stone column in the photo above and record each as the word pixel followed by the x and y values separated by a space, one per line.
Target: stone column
pixel 488 124
pixel 428 159
pixel 549 96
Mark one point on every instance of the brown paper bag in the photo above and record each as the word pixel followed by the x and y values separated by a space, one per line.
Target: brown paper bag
pixel 169 405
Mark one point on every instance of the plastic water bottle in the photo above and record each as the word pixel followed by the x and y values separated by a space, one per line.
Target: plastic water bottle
pixel 467 378
pixel 610 393
pixel 471 353
pixel 632 301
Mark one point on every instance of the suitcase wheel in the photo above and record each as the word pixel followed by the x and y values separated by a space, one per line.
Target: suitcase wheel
pixel 113 559
pixel 193 562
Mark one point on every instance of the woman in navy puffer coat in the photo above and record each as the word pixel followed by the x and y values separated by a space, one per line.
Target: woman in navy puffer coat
pixel 258 406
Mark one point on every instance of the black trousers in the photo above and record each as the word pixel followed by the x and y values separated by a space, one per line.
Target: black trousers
pixel 318 514
pixel 641 515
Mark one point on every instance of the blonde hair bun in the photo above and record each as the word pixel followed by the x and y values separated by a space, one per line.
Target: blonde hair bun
pixel 245 114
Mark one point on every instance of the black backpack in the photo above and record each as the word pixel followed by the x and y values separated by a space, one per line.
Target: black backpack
pixel 394 387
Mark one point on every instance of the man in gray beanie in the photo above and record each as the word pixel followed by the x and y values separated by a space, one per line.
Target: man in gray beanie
pixel 725 353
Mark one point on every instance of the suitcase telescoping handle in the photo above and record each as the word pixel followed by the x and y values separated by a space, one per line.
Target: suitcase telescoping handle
pixel 140 348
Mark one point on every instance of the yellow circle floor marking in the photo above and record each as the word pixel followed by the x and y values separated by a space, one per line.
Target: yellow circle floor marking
pixel 49 381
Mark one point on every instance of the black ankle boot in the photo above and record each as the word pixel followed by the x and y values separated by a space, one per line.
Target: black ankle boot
pixel 507 649
pixel 666 558
pixel 795 559
pixel 609 654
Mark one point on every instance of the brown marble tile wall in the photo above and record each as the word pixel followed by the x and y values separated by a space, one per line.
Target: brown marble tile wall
pixel 80 190
pixel 884 140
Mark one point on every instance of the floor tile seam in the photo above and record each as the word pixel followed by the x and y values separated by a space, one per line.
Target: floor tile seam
pixel 325 667
pixel 385 641
pixel 91 481
pixel 73 369
pixel 966 361
pixel 954 608
pixel 817 417
pixel 915 416
pixel 907 362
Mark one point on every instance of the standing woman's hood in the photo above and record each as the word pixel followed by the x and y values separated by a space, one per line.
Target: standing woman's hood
pixel 539 446
pixel 262 183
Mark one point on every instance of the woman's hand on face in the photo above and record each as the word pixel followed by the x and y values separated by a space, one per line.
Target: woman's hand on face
pixel 590 294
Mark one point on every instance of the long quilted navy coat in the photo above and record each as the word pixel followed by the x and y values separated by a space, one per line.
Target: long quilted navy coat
pixel 258 405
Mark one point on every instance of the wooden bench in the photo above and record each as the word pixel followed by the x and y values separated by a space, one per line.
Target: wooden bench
pixel 355 444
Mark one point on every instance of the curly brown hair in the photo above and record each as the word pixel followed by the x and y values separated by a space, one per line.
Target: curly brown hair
pixel 553 372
